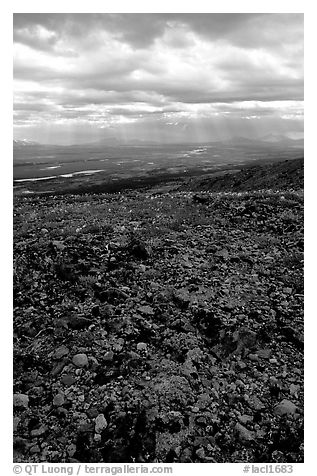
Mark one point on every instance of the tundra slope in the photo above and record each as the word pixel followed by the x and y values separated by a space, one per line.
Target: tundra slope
pixel 151 326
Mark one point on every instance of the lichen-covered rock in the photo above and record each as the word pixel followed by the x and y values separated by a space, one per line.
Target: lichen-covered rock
pixel 285 407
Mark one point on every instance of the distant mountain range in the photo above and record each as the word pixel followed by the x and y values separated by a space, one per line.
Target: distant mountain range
pixel 279 138
pixel 24 143
pixel 267 140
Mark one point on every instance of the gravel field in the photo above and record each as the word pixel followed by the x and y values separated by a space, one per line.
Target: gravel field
pixel 159 327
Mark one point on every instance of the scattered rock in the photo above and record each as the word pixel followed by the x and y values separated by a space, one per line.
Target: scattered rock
pixel 285 407
pixel 200 453
pixel 60 352
pixel 39 431
pixel 59 400
pixel 182 298
pixel 224 253
pixel 146 310
pixel 20 400
pixel 68 380
pixel 57 369
pixel 255 403
pixel 92 412
pixel 108 356
pixel 118 345
pixel 141 346
pixel 264 353
pixel 16 421
pixel 175 350
pixel 243 434
pixel 71 449
pixel 59 245
pixel 244 419
pixel 294 389
pixel 100 423
pixel 287 290
pixel 80 360
pixel 35 449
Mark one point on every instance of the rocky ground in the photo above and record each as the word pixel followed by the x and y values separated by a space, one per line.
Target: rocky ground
pixel 159 327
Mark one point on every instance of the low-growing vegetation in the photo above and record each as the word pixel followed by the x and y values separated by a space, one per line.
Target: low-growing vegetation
pixel 159 326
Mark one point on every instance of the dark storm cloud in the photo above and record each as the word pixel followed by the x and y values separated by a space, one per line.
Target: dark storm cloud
pixel 130 66
pixel 254 29
pixel 139 30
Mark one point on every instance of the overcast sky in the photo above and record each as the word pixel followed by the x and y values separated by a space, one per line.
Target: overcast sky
pixel 159 77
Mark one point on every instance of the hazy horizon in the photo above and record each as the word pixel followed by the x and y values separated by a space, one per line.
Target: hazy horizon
pixel 166 78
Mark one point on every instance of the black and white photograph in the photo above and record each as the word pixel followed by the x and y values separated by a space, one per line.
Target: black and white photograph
pixel 158 240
